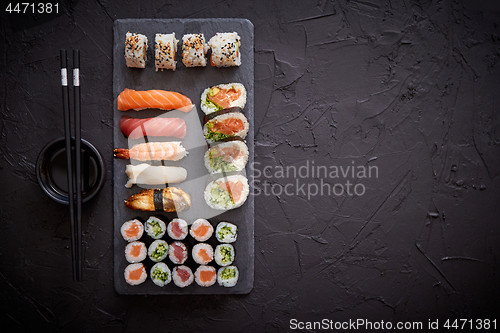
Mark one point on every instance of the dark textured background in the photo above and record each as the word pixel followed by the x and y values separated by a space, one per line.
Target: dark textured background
pixel 409 86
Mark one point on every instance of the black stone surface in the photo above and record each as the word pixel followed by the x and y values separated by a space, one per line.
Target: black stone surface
pixel 410 87
pixel 191 82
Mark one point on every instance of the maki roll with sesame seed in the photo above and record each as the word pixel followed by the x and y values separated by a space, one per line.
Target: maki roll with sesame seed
pixel 194 50
pixel 225 49
pixel 136 46
pixel 165 51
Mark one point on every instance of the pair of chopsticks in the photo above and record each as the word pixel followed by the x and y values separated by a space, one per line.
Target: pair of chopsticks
pixel 73 173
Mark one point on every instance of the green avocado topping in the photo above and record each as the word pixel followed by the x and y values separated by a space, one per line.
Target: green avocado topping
pixel 225 231
pixel 159 251
pixel 212 105
pixel 211 135
pixel 159 274
pixel 155 226
pixel 228 273
pixel 219 164
pixel 220 197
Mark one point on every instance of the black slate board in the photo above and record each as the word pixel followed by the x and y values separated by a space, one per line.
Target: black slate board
pixel 190 82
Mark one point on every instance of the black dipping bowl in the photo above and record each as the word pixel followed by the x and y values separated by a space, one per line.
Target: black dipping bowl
pixel 51 171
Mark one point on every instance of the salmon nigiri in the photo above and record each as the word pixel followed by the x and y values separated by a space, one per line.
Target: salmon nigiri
pixel 153 99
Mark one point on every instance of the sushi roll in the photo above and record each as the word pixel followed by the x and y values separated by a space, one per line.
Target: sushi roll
pixel 203 253
pixel 136 46
pixel 228 276
pixel 135 252
pixel 132 230
pixel 225 49
pixel 155 228
pixel 227 192
pixel 177 229
pixel 160 274
pixel 223 96
pixel 201 230
pixel 135 274
pixel 205 276
pixel 165 51
pixel 225 124
pixel 194 50
pixel 182 276
pixel 158 250
pixel 177 253
pixel 226 157
pixel 224 254
pixel 226 232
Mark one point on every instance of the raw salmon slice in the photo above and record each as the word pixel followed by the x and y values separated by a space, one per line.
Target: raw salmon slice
pixel 153 99
pixel 228 126
pixel 224 97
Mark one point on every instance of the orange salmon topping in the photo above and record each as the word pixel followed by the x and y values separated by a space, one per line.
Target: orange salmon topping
pixel 136 250
pixel 204 255
pixel 224 97
pixel 201 230
pixel 229 153
pixel 234 189
pixel 136 273
pixel 206 276
pixel 228 126
pixel 132 231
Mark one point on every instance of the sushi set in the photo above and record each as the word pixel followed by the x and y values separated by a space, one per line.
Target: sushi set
pixel 183 147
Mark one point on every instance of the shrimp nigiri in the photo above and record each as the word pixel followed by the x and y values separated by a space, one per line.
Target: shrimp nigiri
pixel 158 151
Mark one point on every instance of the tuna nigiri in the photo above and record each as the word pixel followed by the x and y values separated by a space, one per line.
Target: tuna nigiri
pixel 153 99
pixel 158 126
pixel 149 151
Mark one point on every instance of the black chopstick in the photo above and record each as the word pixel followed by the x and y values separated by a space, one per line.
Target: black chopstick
pixel 78 154
pixel 69 159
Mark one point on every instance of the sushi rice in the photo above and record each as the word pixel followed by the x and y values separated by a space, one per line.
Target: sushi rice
pixel 173 252
pixel 194 50
pixel 227 276
pixel 203 253
pixel 183 276
pixel 226 232
pixel 225 49
pixel 165 51
pixel 224 254
pixel 201 230
pixel 158 250
pixel 220 198
pixel 135 274
pixel 136 46
pixel 160 274
pixel 179 225
pixel 135 252
pixel 155 228
pixel 132 230
pixel 205 276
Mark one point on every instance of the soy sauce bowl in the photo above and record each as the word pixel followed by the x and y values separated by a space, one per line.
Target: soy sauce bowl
pixel 52 176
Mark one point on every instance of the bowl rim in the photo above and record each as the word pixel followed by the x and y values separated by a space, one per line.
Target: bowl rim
pixel 42 177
